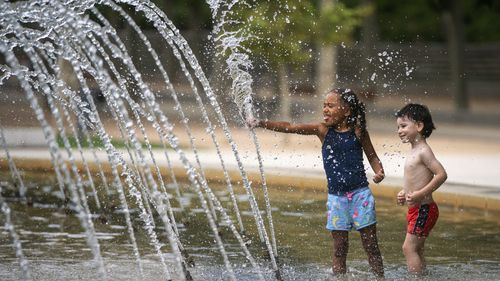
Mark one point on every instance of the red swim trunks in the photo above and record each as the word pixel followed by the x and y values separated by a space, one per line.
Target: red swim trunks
pixel 421 219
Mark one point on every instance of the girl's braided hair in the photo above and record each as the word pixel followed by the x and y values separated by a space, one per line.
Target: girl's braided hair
pixel 357 119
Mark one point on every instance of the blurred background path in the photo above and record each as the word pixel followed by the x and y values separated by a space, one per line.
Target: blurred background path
pixel 468 145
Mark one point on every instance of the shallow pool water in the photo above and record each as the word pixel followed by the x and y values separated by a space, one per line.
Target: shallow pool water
pixel 462 246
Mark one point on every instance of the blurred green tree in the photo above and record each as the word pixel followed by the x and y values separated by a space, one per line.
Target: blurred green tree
pixel 455 22
pixel 481 20
pixel 284 33
pixel 410 21
pixel 435 20
pixel 185 14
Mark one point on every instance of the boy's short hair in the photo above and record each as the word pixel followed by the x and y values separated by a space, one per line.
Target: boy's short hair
pixel 418 113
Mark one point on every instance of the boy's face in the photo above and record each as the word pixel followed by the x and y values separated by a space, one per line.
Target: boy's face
pixel 334 110
pixel 408 129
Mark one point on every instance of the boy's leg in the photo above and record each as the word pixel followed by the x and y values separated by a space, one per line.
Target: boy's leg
pixel 370 244
pixel 421 254
pixel 340 249
pixel 413 249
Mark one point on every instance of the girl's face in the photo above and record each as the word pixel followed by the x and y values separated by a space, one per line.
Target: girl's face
pixel 408 130
pixel 334 110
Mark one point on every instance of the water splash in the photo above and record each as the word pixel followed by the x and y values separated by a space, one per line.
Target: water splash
pixel 67 52
pixel 13 169
pixel 23 262
pixel 239 65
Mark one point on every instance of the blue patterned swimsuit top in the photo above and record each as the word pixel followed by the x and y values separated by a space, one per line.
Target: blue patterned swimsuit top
pixel 343 162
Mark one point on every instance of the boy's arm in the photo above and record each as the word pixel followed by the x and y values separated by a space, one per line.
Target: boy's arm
pixel 372 157
pixel 429 160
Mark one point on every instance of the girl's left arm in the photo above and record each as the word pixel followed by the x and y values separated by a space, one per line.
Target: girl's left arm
pixel 372 157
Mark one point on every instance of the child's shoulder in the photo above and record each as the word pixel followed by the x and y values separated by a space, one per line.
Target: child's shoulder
pixel 426 147
pixel 322 125
pixel 322 130
pixel 425 151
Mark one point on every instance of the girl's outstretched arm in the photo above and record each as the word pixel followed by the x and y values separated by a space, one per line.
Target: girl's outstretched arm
pixel 287 127
pixel 318 129
pixel 372 157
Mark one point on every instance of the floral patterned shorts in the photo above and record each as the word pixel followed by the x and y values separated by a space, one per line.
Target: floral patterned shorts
pixel 355 209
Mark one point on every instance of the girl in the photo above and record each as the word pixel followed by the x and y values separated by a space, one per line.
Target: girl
pixel 350 203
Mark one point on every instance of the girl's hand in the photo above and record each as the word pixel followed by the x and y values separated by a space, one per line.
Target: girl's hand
pixel 252 122
pixel 401 197
pixel 378 177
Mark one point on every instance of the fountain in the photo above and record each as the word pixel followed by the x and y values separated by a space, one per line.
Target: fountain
pixel 125 191
pixel 68 50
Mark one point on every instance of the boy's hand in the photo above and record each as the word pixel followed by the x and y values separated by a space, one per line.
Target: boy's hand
pixel 378 177
pixel 413 198
pixel 401 197
pixel 252 122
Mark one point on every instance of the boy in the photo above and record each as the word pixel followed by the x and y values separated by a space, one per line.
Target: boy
pixel 423 174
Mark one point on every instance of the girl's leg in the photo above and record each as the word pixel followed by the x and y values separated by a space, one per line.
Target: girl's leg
pixel 413 248
pixel 340 249
pixel 370 244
